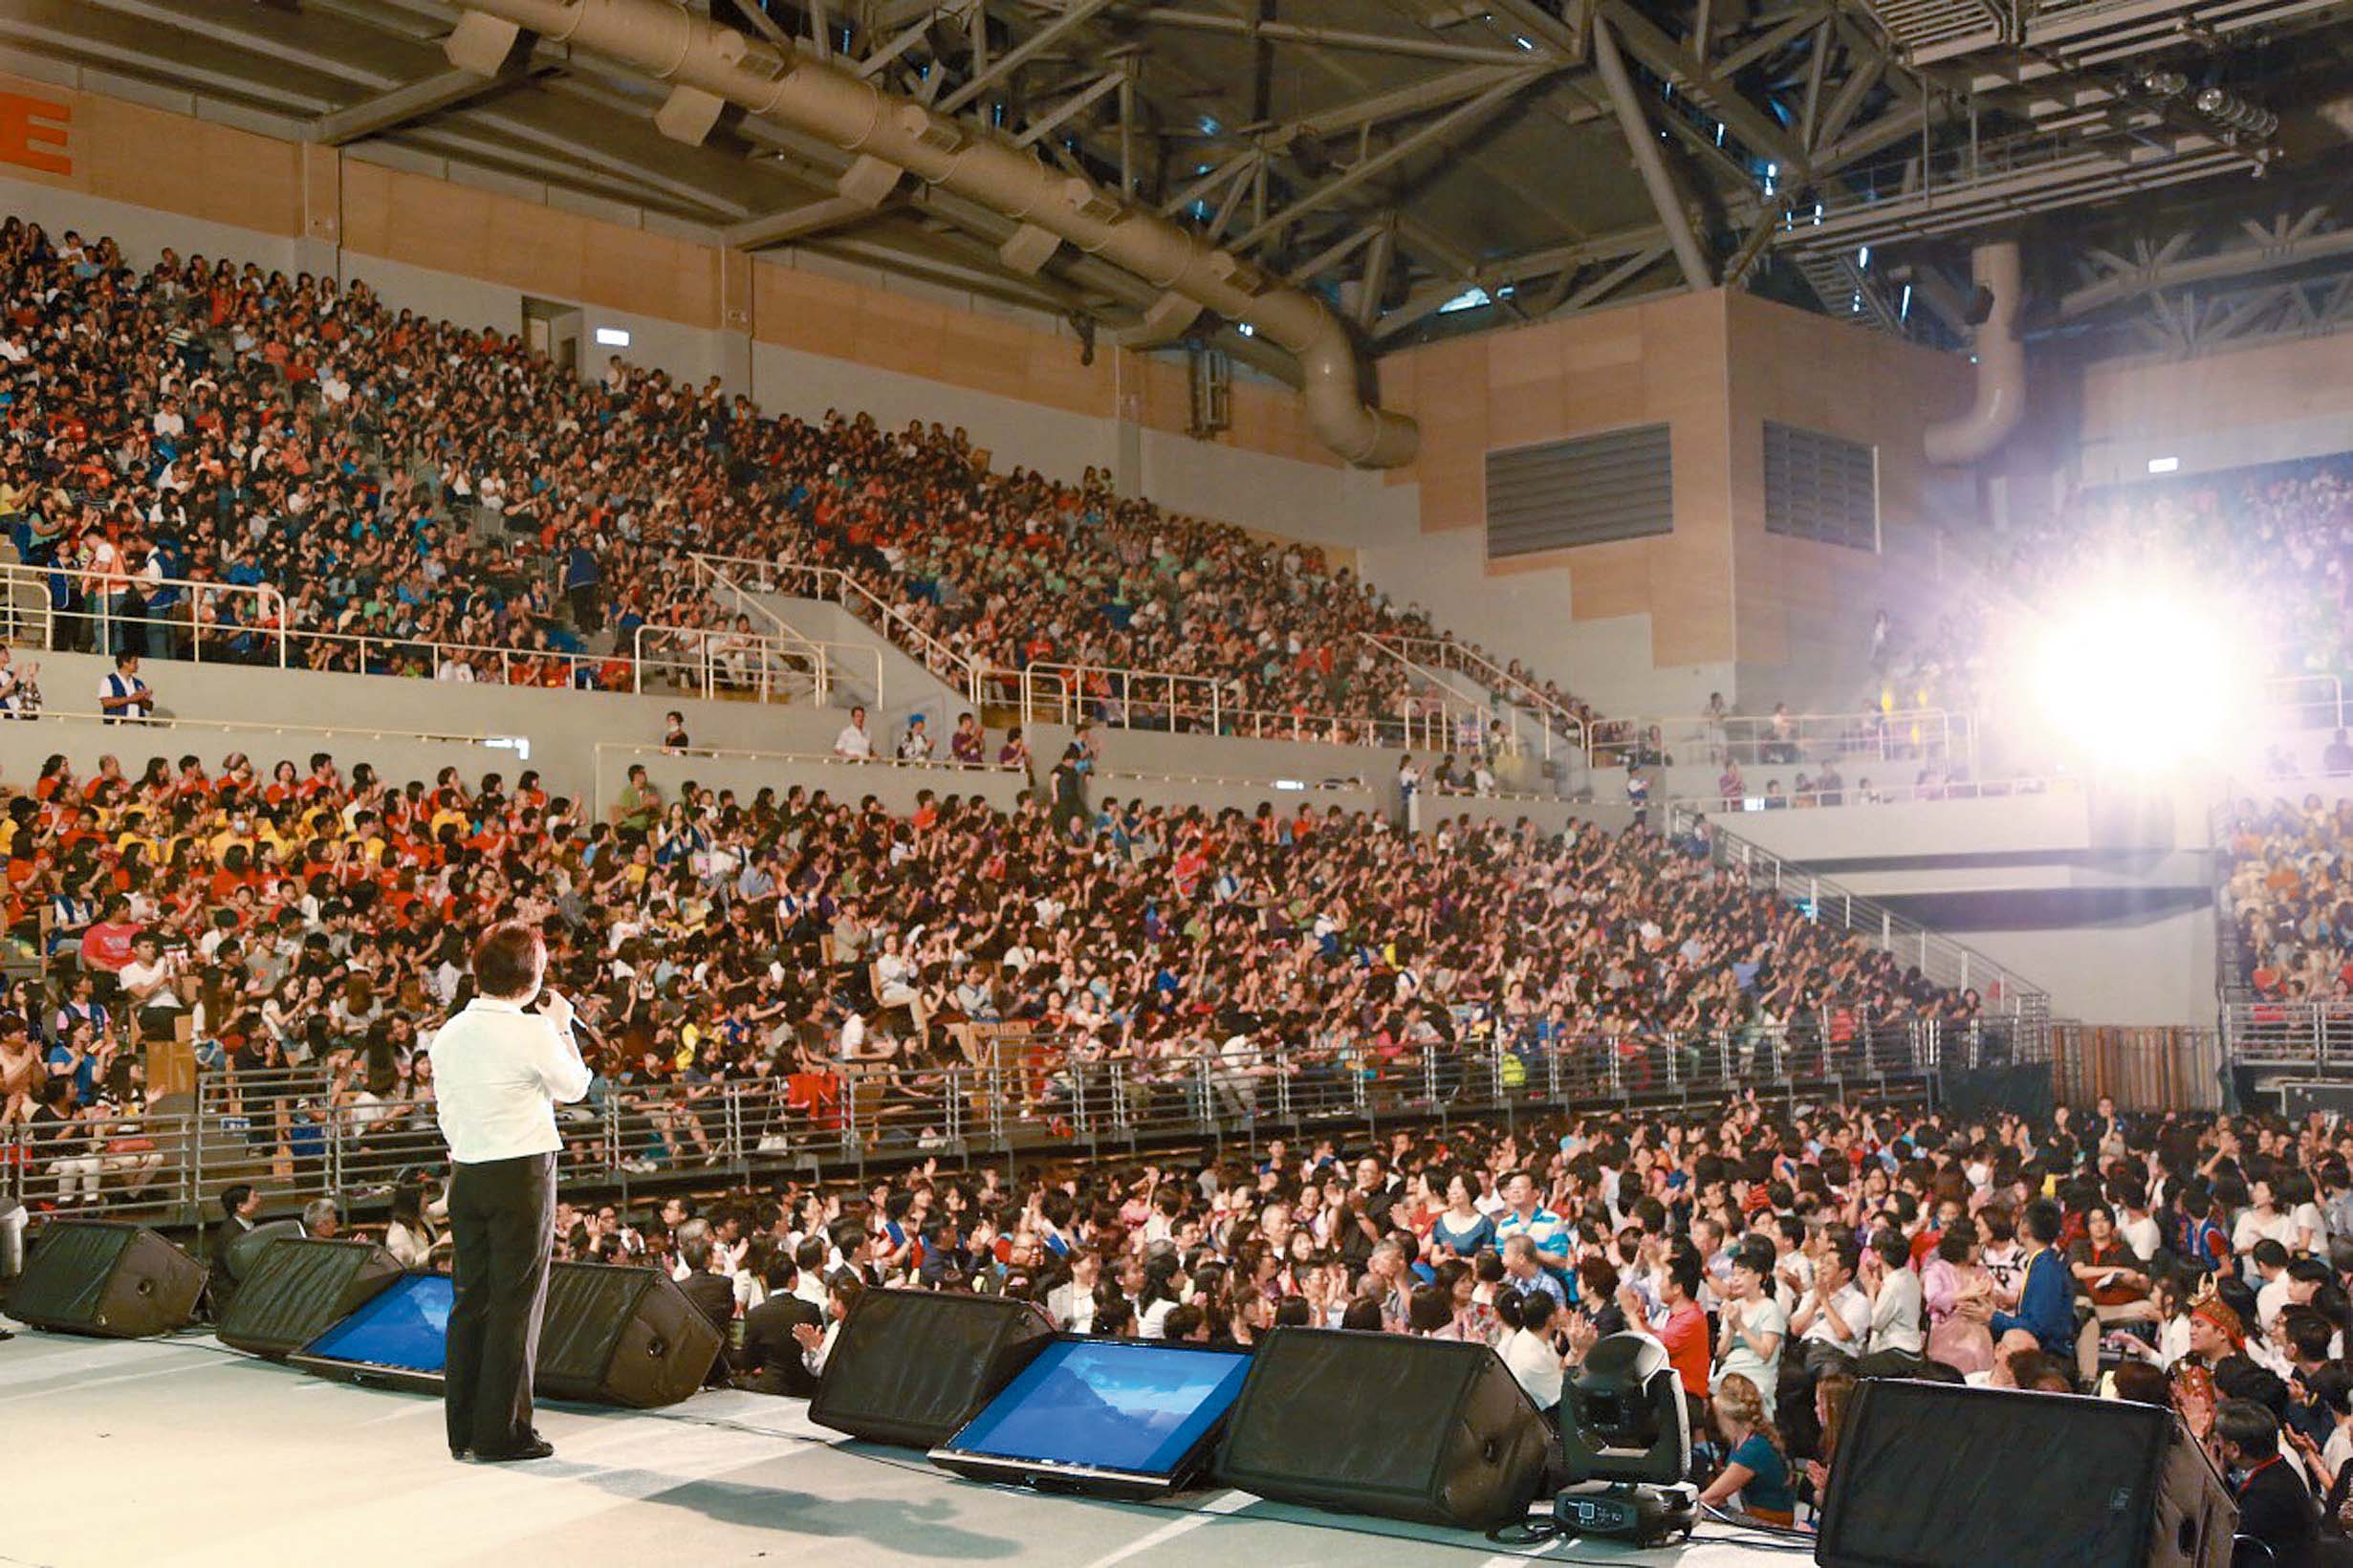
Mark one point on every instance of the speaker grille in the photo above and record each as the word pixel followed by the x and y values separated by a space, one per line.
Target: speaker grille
pixel 64 1283
pixel 1931 1474
pixel 912 1367
pixel 300 1289
pixel 589 1308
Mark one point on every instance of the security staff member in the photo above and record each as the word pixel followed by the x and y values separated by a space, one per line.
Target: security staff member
pixel 498 1072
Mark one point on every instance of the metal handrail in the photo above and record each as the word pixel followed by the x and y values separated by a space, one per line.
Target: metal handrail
pixel 269 727
pixel 1924 732
pixel 297 1132
pixel 959 670
pixel 806 759
pixel 1897 795
pixel 186 617
pixel 1939 958
pixel 713 653
pixel 2319 695
pixel 1492 707
pixel 1056 694
pixel 1515 689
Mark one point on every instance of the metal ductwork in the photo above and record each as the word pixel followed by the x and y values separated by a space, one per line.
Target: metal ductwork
pixel 798 90
pixel 2001 365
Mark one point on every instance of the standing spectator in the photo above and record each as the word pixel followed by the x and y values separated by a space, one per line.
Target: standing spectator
pixel 124 698
pixel 674 738
pixel 854 743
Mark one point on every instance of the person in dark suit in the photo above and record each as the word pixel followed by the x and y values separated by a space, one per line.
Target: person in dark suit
pixel 770 1359
pixel 2274 1505
pixel 713 1295
pixel 240 1209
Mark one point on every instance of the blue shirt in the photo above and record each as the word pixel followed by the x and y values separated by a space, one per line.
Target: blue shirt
pixel 2046 1306
pixel 1767 1488
pixel 1542 1228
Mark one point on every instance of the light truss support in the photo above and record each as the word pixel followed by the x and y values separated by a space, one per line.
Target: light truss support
pixel 1389 157
pixel 389 111
pixel 1021 54
pixel 1643 144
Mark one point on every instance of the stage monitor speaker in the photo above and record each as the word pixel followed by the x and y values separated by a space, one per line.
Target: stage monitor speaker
pixel 912 1367
pixel 300 1288
pixel 1933 1474
pixel 92 1276
pixel 1433 1430
pixel 615 1335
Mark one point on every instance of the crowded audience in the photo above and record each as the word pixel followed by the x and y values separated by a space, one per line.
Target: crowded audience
pixel 437 501
pixel 2286 903
pixel 1779 1255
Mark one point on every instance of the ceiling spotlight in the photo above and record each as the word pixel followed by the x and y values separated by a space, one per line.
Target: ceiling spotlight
pixel 2225 107
pixel 2163 84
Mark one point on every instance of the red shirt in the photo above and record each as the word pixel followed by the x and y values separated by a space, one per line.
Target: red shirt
pixel 1685 1335
pixel 108 946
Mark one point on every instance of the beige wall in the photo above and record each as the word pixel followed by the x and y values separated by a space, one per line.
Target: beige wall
pixel 1805 608
pixel 1657 361
pixel 2265 404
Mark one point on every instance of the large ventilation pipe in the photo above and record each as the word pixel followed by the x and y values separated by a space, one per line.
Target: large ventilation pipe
pixel 796 89
pixel 2001 365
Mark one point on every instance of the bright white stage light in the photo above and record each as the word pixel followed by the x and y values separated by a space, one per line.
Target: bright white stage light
pixel 2143 681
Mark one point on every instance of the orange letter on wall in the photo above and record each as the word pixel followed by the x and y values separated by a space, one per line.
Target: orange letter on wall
pixel 25 140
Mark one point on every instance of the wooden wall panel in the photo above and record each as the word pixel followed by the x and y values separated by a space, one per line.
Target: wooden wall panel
pixel 1656 361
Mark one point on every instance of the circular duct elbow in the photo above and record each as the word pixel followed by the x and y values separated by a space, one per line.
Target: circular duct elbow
pixel 664 38
pixel 2000 400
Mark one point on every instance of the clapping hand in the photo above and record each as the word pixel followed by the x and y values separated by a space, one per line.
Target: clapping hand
pixel 809 1335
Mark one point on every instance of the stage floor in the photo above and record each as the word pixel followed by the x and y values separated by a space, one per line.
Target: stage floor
pixel 181 1453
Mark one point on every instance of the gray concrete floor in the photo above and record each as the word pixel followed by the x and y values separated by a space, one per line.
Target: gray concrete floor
pixel 178 1451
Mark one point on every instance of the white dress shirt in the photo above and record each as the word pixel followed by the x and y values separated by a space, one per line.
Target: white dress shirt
pixel 497 1073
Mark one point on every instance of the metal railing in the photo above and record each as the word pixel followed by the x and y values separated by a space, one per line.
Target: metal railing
pixel 1515 691
pixel 2278 1034
pixel 1169 701
pixel 1933 734
pixel 841 587
pixel 298 1132
pixel 1878 794
pixel 802 759
pixel 179 723
pixel 709 661
pixel 1939 959
pixel 93 614
pixel 2302 702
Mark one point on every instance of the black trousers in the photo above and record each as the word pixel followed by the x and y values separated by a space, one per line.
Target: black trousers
pixel 502 1219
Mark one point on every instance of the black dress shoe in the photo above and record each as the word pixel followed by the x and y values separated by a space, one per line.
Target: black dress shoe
pixel 539 1447
pixel 461 1453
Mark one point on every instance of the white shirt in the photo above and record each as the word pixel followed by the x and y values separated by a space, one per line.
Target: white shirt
pixel 853 742
pixel 1895 1313
pixel 498 1072
pixel 1535 1366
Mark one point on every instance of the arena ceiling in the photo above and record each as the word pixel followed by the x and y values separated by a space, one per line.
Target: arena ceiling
pixel 1428 166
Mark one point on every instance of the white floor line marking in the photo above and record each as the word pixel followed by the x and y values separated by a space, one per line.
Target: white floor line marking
pixel 81 1387
pixel 1229 1502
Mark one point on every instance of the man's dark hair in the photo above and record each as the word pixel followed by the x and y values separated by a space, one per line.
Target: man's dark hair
pixel 2043 1221
pixel 2309 1333
pixel 782 1272
pixel 696 1250
pixel 2270 1255
pixel 2137 1382
pixel 1684 1269
pixel 233 1196
pixel 1893 1246
pixel 1181 1322
pixel 507 960
pixel 2249 1425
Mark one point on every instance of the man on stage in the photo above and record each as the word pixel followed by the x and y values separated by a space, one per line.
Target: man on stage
pixel 498 1073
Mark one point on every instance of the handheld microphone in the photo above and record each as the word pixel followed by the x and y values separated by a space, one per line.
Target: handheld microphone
pixel 579 1026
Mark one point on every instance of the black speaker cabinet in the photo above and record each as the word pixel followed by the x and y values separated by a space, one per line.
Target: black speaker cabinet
pixel 912 1367
pixel 617 1335
pixel 122 1282
pixel 299 1287
pixel 1931 1473
pixel 1432 1431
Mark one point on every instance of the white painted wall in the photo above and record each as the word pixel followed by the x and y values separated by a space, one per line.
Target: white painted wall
pixel 2154 972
